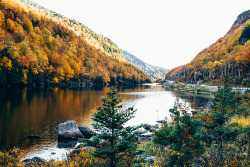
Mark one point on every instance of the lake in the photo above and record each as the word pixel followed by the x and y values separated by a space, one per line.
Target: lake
pixel 38 111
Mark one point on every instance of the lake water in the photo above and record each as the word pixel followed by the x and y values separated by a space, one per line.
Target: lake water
pixel 29 111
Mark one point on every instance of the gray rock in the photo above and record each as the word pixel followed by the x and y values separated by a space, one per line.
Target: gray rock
pixel 149 158
pixel 69 130
pixel 88 148
pixel 87 133
pixel 34 159
pixel 146 137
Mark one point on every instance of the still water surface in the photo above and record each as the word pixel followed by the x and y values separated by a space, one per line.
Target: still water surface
pixel 28 111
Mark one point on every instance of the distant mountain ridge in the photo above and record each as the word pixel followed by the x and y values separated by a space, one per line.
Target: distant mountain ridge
pixel 153 72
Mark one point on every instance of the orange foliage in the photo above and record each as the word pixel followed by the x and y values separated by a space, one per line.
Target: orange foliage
pixel 2 19
pixel 227 56
pixel 11 25
pixel 39 49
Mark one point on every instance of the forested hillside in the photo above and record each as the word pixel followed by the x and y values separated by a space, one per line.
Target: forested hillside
pixel 37 49
pixel 153 72
pixel 92 38
pixel 230 55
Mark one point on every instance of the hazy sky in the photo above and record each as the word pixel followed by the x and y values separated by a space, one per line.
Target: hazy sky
pixel 166 33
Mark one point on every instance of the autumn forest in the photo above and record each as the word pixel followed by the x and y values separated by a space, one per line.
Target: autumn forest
pixel 72 97
pixel 230 55
pixel 37 50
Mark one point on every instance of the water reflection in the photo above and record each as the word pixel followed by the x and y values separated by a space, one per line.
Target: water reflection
pixel 27 111
pixel 154 101
pixel 38 112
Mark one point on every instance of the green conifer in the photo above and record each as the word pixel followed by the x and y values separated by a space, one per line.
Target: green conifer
pixel 183 137
pixel 112 140
pixel 219 130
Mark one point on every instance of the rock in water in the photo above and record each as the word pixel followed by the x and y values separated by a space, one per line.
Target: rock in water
pixel 69 130
pixel 85 131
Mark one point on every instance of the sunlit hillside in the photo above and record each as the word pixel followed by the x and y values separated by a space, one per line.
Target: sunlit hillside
pixel 229 55
pixel 39 48
pixel 92 38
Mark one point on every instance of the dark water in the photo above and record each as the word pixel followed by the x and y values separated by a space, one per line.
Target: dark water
pixel 28 111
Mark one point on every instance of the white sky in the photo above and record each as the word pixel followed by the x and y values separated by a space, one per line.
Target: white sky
pixel 166 33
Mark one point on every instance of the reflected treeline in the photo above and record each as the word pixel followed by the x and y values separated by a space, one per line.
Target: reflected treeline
pixel 196 101
pixel 31 111
pixel 38 111
pixel 131 91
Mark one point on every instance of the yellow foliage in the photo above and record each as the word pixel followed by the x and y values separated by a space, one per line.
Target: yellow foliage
pixel 216 64
pixel 241 120
pixel 24 78
pixel 54 51
pixel 1 33
pixel 10 158
pixel 27 25
pixel 11 25
pixel 14 53
pixel 2 19
pixel 18 21
pixel 6 63
pixel 60 73
pixel 227 53
pixel 55 80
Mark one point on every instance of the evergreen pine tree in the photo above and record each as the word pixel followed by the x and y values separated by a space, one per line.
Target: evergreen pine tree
pixel 219 130
pixel 183 137
pixel 112 140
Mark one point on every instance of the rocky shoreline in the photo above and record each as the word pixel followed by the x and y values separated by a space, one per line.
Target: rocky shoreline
pixel 69 133
pixel 198 88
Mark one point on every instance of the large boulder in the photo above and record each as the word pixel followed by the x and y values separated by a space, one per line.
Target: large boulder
pixel 69 130
pixel 87 133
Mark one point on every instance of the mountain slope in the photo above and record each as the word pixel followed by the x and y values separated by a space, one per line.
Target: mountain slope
pixel 230 55
pixel 153 72
pixel 37 49
pixel 96 40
